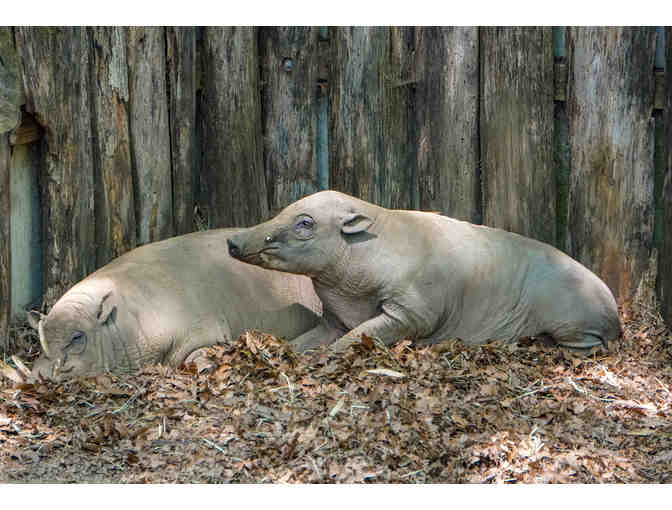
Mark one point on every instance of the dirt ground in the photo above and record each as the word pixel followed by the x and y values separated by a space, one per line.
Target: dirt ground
pixel 254 412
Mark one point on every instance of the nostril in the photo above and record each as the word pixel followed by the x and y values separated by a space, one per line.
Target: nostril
pixel 234 250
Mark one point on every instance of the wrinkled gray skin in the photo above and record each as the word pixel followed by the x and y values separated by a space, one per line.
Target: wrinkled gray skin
pixel 160 302
pixel 394 274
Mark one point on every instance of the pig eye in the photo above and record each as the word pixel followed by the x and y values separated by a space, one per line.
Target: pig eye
pixel 304 227
pixel 305 222
pixel 77 342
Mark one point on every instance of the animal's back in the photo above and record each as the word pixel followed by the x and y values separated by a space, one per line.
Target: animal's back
pixel 191 278
pixel 517 286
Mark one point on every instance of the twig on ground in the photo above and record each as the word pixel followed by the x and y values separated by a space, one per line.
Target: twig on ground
pixel 289 386
pixel 213 445
pixel 318 473
pixel 585 392
pixel 663 386
pixel 337 408
pixel 133 397
pixel 532 392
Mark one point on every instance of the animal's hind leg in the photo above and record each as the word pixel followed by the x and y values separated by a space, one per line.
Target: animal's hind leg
pixel 585 341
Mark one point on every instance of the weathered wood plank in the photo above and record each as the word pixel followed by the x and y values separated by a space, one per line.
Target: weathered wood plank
pixel 289 76
pixel 356 113
pixel 5 262
pixel 516 130
pixel 665 254
pixel 447 92
pixel 371 150
pixel 610 102
pixel 56 79
pixel 562 158
pixel 10 87
pixel 398 182
pixel 114 204
pixel 11 91
pixel 150 133
pixel 25 229
pixel 182 81
pixel 233 183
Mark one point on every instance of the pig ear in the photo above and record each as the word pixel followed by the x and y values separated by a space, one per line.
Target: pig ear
pixel 107 309
pixel 34 318
pixel 355 223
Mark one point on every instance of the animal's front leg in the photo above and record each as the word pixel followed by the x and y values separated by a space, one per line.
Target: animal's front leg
pixel 321 334
pixel 384 327
pixel 202 333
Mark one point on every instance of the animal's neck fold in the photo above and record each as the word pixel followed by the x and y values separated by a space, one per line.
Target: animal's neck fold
pixel 336 270
pixel 349 274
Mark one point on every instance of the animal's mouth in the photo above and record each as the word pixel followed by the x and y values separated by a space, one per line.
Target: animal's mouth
pixel 261 255
pixel 238 250
pixel 266 250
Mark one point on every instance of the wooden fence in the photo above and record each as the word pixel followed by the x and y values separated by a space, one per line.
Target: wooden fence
pixel 131 135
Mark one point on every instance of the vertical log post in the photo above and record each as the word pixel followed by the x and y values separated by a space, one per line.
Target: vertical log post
pixel 516 129
pixel 371 153
pixel 21 263
pixel 57 84
pixel 182 85
pixel 355 111
pixel 660 146
pixel 25 226
pixel 233 180
pixel 10 101
pixel 11 92
pixel 398 179
pixel 610 101
pixel 150 133
pixel 561 148
pixel 114 204
pixel 446 104
pixel 322 142
pixel 5 262
pixel 665 253
pixel 289 75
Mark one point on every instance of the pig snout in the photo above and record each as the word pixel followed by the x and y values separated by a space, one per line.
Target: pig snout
pixel 234 249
